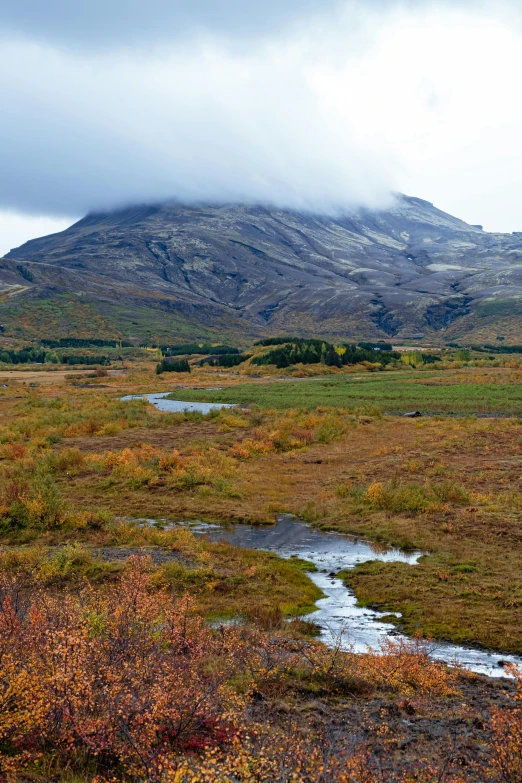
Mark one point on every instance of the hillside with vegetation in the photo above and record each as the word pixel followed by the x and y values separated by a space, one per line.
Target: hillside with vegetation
pixel 166 272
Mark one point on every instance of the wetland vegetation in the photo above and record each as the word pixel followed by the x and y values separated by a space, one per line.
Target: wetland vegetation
pixel 175 692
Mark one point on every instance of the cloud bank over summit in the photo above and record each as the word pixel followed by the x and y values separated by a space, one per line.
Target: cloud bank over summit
pixel 196 123
pixel 321 106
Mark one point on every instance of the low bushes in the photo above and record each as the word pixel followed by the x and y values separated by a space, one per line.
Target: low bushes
pixel 37 504
pixel 131 685
pixel 412 498
pixel 112 683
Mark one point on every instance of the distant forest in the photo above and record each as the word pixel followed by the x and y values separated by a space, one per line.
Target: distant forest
pixel 303 351
pixel 31 355
pixel 88 342
pixel 196 348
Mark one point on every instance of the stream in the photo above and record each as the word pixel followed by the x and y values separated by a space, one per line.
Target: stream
pixel 176 406
pixel 337 615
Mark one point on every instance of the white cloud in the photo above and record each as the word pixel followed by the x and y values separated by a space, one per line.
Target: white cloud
pixel 443 86
pixel 323 113
pixel 98 24
pixel 198 124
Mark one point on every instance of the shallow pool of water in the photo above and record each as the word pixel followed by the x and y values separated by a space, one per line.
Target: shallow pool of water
pixel 338 615
pixel 176 406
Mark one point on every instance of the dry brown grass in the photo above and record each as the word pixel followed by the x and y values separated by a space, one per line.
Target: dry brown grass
pixel 446 486
pixel 39 376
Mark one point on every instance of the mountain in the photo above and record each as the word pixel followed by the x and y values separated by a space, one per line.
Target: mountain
pixel 175 271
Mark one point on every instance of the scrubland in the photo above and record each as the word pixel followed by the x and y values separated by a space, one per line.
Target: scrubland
pixel 130 651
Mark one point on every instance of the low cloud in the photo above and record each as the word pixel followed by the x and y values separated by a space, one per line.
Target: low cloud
pixel 98 23
pixel 198 124
pixel 318 106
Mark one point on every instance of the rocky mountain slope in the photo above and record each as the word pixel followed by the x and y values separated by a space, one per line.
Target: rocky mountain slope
pixel 409 271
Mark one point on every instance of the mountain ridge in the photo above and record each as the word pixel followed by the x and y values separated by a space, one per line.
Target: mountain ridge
pixel 409 270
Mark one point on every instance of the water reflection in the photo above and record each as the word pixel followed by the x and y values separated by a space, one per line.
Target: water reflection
pixel 176 406
pixel 338 614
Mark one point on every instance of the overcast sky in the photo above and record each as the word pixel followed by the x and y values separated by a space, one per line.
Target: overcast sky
pixel 311 104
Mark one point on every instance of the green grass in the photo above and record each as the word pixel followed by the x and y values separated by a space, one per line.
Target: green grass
pixel 391 393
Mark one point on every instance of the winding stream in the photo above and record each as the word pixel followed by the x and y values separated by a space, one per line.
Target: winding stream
pixel 337 614
pixel 176 406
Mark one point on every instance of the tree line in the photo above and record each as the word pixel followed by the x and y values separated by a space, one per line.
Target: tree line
pixel 32 355
pixel 318 351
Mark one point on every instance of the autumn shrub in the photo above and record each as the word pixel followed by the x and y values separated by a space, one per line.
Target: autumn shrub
pixel 37 504
pixel 413 498
pixel 118 682
pixel 66 557
pixel 67 461
pixel 111 428
pixel 397 498
pixel 202 467
pixel 226 487
pixel 170 462
pixel 136 467
pixel 452 492
pixel 405 667
pixel 293 437
pixel 251 447
pixel 506 744
pixel 130 685
pixel 229 421
pixel 14 451
pixel 327 431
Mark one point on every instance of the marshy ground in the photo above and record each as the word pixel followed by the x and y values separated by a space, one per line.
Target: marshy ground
pixel 76 464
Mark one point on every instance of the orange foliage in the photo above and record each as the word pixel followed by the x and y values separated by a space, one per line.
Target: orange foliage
pixel 123 680
pixel 506 747
pixel 405 667
pixel 132 685
pixel 15 451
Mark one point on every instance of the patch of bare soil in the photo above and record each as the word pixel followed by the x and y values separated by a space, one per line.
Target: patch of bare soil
pixel 450 732
pixel 158 555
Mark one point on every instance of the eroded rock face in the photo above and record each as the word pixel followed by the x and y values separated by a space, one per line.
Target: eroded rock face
pixel 411 269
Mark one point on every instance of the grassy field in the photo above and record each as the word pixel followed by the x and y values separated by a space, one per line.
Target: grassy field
pixel 78 468
pixel 471 392
pixel 446 486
